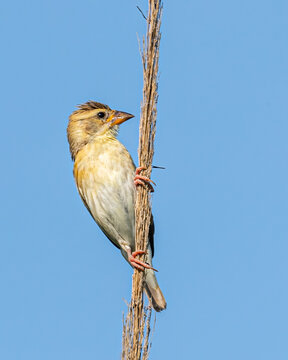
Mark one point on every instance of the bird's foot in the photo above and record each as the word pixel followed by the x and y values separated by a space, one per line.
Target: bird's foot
pixel 138 264
pixel 142 180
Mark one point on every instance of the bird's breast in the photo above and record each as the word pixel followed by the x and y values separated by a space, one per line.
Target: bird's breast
pixel 104 164
pixel 104 173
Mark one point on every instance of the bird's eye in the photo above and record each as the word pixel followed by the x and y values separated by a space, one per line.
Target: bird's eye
pixel 101 114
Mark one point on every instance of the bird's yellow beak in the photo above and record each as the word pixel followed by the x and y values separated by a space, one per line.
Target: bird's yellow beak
pixel 118 117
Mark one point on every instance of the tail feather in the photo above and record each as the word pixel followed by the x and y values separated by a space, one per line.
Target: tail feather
pixel 153 291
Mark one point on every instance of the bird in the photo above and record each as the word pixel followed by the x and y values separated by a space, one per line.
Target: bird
pixel 106 178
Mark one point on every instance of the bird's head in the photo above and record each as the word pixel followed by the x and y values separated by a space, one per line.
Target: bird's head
pixel 92 120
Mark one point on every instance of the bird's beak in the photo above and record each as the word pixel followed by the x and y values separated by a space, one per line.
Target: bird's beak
pixel 118 117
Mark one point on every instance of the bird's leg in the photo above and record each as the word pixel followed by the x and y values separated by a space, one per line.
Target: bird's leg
pixel 142 180
pixel 138 264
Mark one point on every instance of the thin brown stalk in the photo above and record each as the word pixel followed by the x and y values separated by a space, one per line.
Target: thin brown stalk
pixel 136 326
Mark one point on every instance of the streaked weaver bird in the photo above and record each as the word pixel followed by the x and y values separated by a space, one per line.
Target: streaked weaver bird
pixel 106 179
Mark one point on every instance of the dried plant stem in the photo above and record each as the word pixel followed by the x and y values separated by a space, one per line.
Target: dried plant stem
pixel 136 327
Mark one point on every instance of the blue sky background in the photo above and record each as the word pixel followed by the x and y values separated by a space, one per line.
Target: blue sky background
pixel 220 206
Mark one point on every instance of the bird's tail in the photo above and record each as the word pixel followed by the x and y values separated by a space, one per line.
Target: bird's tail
pixel 151 286
pixel 153 291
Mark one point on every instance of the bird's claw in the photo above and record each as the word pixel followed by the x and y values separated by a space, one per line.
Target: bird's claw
pixel 142 180
pixel 138 264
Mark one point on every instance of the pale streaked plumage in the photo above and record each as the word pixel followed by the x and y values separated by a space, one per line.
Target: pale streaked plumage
pixel 104 178
pixel 104 173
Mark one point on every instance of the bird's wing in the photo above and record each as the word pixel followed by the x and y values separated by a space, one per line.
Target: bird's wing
pixel 151 235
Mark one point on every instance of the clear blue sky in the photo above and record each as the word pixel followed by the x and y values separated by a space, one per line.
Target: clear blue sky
pixel 220 206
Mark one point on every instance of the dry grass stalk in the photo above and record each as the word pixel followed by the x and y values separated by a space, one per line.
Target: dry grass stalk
pixel 136 327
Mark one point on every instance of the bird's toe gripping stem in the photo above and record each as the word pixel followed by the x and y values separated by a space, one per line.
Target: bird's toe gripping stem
pixel 142 180
pixel 138 264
